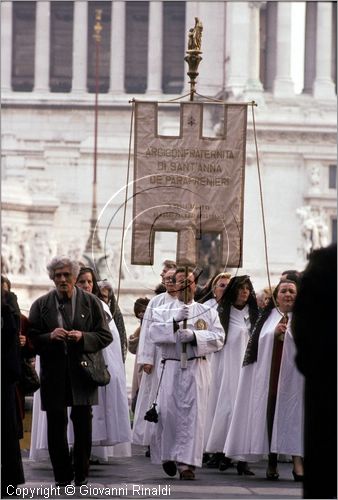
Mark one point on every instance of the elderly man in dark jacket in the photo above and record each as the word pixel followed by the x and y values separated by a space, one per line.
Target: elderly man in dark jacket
pixel 65 323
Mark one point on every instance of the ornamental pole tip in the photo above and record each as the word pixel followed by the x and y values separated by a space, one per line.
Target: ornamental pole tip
pixel 193 57
pixel 97 25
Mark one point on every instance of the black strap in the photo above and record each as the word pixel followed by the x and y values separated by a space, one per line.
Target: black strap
pixel 175 359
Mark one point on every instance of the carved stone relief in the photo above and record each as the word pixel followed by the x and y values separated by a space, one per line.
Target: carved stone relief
pixel 314 229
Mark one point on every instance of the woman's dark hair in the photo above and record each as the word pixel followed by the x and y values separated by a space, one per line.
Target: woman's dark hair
pixel 206 292
pixel 96 289
pixel 229 297
pixel 4 279
pixel 140 305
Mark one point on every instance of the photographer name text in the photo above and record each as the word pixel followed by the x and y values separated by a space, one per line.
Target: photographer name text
pixel 131 490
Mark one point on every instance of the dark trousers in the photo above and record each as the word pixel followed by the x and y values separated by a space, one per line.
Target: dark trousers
pixel 57 421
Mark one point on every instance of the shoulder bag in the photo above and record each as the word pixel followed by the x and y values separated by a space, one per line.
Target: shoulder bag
pixel 29 379
pixel 94 368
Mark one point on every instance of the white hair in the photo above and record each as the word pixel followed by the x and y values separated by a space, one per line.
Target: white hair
pixel 58 262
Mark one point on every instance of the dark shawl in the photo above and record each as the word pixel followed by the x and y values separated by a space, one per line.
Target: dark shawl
pixel 251 352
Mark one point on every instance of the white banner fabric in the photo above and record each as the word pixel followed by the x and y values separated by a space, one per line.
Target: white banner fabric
pixel 189 184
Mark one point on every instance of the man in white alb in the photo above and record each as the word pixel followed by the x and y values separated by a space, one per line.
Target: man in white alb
pixel 177 438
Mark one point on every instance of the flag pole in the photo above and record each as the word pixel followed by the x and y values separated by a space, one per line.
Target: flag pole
pixel 93 244
pixel 193 58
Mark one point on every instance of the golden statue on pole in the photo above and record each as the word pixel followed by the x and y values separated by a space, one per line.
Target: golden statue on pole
pixel 193 57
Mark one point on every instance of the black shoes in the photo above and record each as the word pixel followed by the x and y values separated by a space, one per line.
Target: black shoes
pixel 65 482
pixel 272 475
pixel 243 469
pixel 224 464
pixel 80 482
pixel 169 468
pixel 297 477
pixel 77 482
pixel 214 461
pixel 62 484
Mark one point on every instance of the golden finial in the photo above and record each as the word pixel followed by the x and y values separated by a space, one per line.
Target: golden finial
pixel 193 57
pixel 97 25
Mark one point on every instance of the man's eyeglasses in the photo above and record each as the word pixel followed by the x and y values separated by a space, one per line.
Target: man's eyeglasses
pixel 169 280
pixel 66 275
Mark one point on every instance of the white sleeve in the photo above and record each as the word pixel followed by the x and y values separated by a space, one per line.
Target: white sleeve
pixel 210 340
pixel 146 349
pixel 162 328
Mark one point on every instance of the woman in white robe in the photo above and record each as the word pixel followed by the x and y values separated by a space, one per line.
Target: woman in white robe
pixel 269 407
pixel 111 422
pixel 238 313
pixel 149 358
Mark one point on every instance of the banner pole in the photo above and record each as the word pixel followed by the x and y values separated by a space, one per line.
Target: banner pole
pixel 193 58
pixel 184 359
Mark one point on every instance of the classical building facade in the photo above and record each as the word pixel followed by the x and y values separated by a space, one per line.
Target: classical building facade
pixel 48 65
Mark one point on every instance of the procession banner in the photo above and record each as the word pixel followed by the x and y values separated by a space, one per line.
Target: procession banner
pixel 189 183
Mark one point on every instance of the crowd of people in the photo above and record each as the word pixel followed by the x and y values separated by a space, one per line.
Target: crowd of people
pixel 218 380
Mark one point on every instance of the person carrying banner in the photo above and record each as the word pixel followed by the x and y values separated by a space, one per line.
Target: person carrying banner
pixel 177 438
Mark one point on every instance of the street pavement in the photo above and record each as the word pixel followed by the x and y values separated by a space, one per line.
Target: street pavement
pixel 135 477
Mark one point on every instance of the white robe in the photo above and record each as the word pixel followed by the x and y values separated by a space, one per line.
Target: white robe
pixel 248 434
pixel 183 394
pixel 147 353
pixel 111 424
pixel 225 369
pixel 212 303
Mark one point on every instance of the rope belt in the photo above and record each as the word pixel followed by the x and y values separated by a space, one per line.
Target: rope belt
pixel 175 359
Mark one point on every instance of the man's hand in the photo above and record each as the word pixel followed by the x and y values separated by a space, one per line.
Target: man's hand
pixel 59 334
pixel 74 336
pixel 186 336
pixel 148 368
pixel 181 313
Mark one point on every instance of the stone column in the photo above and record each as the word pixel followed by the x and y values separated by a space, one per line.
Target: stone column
pixel 80 26
pixel 210 80
pixel 310 46
pixel 283 85
pixel 117 47
pixel 238 24
pixel 6 46
pixel 271 45
pixel 155 44
pixel 323 87
pixel 254 84
pixel 42 43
